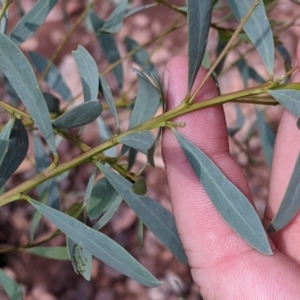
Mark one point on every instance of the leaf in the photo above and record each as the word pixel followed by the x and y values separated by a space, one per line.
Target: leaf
pixel 141 141
pixel 109 48
pixel 115 21
pixel 286 57
pixel 141 57
pixel 138 9
pixel 13 96
pixel 89 187
pixel 52 103
pixel 230 202
pixel 267 137
pixel 53 77
pixel 257 28
pixel 81 259
pixel 139 187
pixel 59 253
pixel 109 99
pixel 79 115
pixel 240 120
pixel 199 18
pixel 4 138
pixel 289 99
pixel 290 203
pixel 140 233
pixel 42 162
pixel 157 218
pixel 98 245
pixel 146 103
pixel 3 21
pixel 248 72
pixel 11 288
pixel 103 194
pixel 88 73
pixel 17 150
pixel 18 71
pixel 114 205
pixel 31 22
pixel 105 134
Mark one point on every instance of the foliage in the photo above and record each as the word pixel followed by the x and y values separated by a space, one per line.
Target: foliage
pixel 45 119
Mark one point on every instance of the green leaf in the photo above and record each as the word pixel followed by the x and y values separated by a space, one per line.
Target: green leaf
pixel 13 96
pixel 79 115
pixel 115 21
pixel 34 224
pixel 141 57
pixel 289 99
pixel 290 203
pixel 52 103
pixel 59 253
pixel 139 187
pixel 157 218
pixel 248 72
pixel 105 134
pixel 81 259
pixel 286 57
pixel 138 9
pixel 42 162
pixel 31 22
pixel 17 69
pixel 4 138
pixel 146 103
pixel 109 99
pixel 17 150
pixel 103 194
pixel 88 73
pixel 140 233
pixel 11 288
pixel 109 48
pixel 199 18
pixel 267 137
pixel 230 202
pixel 240 120
pixel 98 245
pixel 53 77
pixel 141 141
pixel 114 205
pixel 257 28
pixel 89 187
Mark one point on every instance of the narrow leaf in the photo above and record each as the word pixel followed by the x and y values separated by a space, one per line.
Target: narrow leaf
pixel 42 162
pixel 11 288
pixel 98 245
pixel 146 103
pixel 115 21
pixel 82 114
pixel 141 57
pixel 103 194
pixel 157 218
pixel 89 187
pixel 289 99
pixel 59 253
pixel 290 204
pixel 52 103
pixel 199 18
pixel 141 141
pixel 257 28
pixel 109 213
pixel 139 9
pixel 81 259
pixel 17 150
pixel 31 22
pixel 53 77
pixel 230 202
pixel 17 69
pixel 109 99
pixel 240 120
pixel 4 138
pixel 88 73
pixel 267 137
pixel 109 48
pixel 13 96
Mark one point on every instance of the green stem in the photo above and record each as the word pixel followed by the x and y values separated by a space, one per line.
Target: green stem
pixel 4 8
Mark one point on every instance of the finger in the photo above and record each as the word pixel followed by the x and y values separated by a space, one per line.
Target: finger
pixel 286 150
pixel 218 258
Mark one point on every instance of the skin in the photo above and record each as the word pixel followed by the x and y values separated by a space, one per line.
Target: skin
pixel 222 265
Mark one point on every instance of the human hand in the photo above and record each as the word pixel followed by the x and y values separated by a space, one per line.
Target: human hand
pixel 222 265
